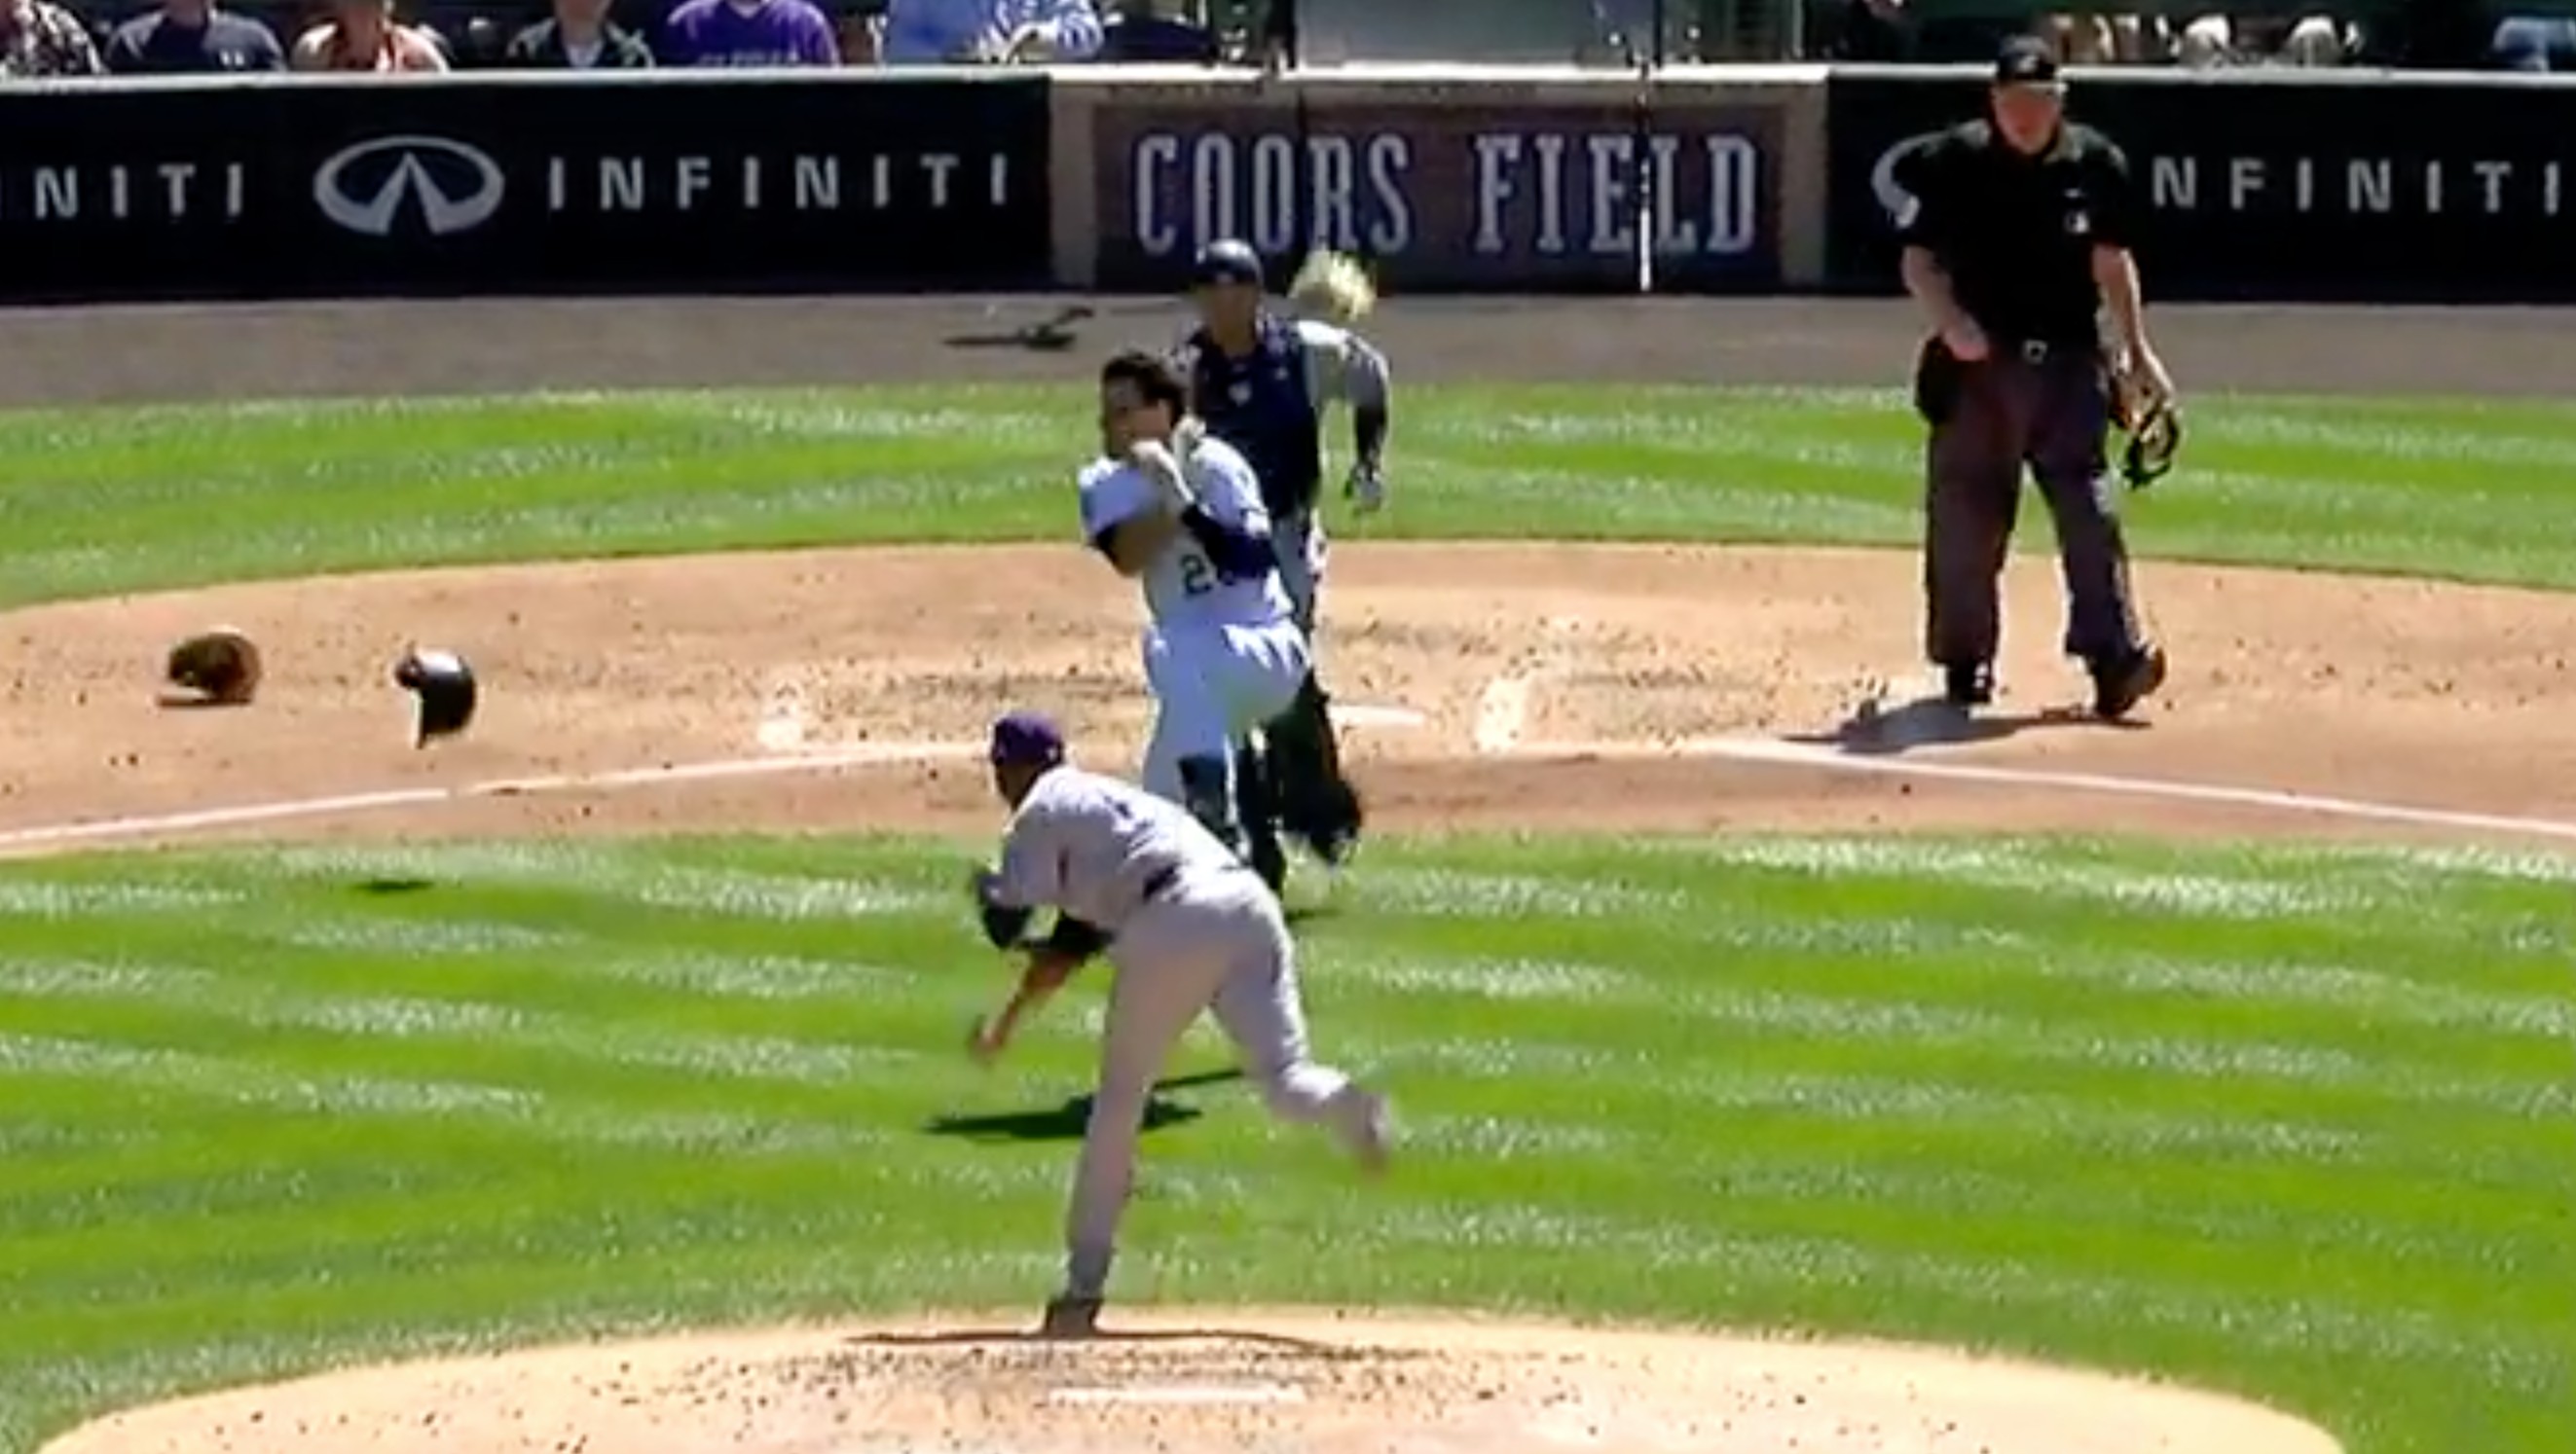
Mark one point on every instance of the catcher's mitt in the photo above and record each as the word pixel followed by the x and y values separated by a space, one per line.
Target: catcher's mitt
pixel 2151 418
pixel 1006 925
pixel 222 665
pixel 445 686
pixel 1333 286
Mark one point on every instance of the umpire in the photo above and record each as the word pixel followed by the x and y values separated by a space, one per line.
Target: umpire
pixel 2016 230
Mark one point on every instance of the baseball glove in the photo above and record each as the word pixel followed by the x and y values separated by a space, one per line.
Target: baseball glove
pixel 1333 286
pixel 222 664
pixel 1005 925
pixel 2150 417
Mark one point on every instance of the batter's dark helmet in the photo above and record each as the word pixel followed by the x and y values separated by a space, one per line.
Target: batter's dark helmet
pixel 445 686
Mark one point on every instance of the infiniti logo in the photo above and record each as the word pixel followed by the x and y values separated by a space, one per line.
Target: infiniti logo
pixel 1899 203
pixel 364 187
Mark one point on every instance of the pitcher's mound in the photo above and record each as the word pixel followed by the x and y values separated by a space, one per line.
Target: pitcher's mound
pixel 1209 1382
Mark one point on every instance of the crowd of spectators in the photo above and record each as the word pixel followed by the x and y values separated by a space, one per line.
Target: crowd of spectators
pixel 51 38
pixel 76 37
pixel 2427 34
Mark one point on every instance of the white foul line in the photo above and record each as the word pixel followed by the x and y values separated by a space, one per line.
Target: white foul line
pixel 1367 714
pixel 821 759
pixel 814 760
pixel 1799 754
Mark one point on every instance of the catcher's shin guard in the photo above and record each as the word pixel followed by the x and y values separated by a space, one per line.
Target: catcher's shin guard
pixel 1203 792
pixel 1259 815
pixel 1316 804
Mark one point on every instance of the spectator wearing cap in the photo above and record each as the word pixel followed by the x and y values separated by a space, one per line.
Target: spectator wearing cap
pixel 989 32
pixel 362 35
pixel 187 36
pixel 577 37
pixel 749 33
pixel 38 38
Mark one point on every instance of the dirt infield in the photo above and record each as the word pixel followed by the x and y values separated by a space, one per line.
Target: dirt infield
pixel 1208 1381
pixel 1560 705
pixel 1607 687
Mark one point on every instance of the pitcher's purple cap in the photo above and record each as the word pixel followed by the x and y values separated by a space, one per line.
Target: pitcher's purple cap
pixel 1027 738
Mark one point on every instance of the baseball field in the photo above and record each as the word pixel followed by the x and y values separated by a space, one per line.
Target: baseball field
pixel 1782 1063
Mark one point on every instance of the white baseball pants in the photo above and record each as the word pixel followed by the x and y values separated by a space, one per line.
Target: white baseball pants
pixel 1214 685
pixel 1214 942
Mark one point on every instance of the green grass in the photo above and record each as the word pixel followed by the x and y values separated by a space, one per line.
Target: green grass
pixel 102 502
pixel 2294 1123
pixel 2300 1124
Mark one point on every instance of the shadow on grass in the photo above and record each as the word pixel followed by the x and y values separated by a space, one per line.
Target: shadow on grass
pixel 1068 1121
pixel 382 887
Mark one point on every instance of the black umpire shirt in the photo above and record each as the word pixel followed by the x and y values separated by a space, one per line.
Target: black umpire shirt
pixel 2016 232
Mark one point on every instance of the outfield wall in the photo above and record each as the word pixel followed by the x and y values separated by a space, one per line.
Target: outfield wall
pixel 2263 185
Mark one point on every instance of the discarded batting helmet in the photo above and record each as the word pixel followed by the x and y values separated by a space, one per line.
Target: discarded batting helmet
pixel 221 664
pixel 445 686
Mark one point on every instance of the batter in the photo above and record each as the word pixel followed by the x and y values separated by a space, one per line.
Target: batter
pixel 1188 927
pixel 1181 515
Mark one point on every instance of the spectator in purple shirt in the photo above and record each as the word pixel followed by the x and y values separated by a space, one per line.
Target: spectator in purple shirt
pixel 968 32
pixel 759 33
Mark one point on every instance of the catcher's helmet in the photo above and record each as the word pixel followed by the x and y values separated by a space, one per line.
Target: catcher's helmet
pixel 222 664
pixel 445 686
pixel 1227 260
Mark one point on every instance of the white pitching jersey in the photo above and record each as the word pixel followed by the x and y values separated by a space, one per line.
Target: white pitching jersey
pixel 1184 587
pixel 1100 849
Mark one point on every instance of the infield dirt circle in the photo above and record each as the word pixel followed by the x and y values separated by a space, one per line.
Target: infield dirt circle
pixel 1495 686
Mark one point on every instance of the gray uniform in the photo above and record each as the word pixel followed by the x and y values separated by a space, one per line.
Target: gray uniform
pixel 1190 929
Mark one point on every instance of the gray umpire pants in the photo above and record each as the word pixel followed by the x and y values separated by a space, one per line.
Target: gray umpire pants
pixel 1297 541
pixel 2047 410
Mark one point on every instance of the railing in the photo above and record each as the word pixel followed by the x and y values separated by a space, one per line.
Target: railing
pixel 1678 179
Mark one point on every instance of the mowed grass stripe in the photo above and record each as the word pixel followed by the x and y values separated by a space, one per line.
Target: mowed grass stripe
pixel 2242 1111
pixel 107 501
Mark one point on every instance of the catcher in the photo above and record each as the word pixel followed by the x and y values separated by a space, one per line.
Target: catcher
pixel 2016 231
pixel 1189 929
pixel 1261 383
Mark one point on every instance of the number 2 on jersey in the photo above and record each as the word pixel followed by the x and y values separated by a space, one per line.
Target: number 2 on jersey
pixel 1198 575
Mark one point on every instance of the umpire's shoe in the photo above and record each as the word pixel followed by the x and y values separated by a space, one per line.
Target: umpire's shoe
pixel 1969 685
pixel 2121 683
pixel 1070 1315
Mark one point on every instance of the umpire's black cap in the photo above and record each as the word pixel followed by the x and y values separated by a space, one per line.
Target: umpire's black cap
pixel 2026 60
pixel 1227 260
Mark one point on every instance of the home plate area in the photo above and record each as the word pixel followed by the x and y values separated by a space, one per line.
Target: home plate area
pixel 1213 1381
